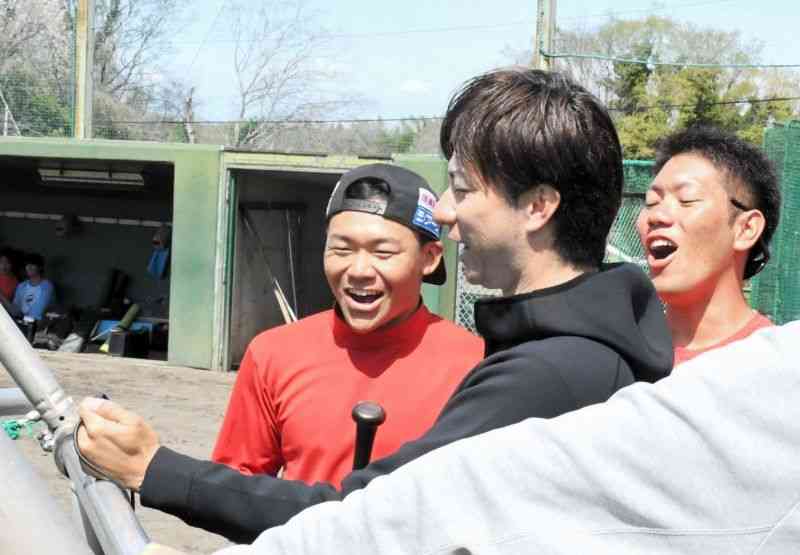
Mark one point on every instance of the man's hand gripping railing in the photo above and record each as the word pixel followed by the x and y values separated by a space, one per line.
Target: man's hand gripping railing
pixel 110 526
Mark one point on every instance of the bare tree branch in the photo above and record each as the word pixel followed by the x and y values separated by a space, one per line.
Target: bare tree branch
pixel 281 66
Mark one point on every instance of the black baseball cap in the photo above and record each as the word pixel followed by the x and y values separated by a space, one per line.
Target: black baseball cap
pixel 411 202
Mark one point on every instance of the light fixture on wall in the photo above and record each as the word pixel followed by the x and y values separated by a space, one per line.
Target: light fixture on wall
pixel 56 177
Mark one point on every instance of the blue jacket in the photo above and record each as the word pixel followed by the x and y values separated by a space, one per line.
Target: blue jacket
pixel 33 300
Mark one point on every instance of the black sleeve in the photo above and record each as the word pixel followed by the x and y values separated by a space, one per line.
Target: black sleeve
pixel 222 500
pixel 504 389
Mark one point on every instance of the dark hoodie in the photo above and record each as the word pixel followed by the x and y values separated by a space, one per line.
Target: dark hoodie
pixel 547 352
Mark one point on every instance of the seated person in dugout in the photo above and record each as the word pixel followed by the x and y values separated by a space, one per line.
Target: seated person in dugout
pixel 35 294
pixel 702 462
pixel 706 226
pixel 296 387
pixel 535 169
pixel 8 279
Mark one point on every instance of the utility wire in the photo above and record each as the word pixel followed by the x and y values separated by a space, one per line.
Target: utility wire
pixel 477 27
pixel 653 63
pixel 208 34
pixel 613 13
pixel 717 103
pixel 487 26
pixel 433 118
pixel 288 122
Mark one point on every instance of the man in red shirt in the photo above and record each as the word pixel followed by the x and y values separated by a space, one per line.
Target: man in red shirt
pixel 296 387
pixel 8 281
pixel 708 218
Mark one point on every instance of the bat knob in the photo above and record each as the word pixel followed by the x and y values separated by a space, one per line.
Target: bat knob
pixel 367 416
pixel 369 413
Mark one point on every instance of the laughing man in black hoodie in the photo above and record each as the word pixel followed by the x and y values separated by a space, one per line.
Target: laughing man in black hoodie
pixel 536 179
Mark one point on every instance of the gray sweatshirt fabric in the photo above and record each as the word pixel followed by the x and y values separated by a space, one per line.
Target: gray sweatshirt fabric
pixel 704 461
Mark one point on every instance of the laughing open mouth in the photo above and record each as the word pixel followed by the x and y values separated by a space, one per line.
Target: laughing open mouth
pixel 363 296
pixel 662 248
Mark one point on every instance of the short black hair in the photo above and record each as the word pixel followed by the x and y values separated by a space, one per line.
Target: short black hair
pixel 368 188
pixel 34 258
pixel 371 188
pixel 745 164
pixel 519 128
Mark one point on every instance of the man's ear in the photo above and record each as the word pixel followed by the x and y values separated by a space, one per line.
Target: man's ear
pixel 539 205
pixel 748 228
pixel 432 252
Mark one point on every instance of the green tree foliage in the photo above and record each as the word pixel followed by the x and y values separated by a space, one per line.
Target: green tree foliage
pixel 658 99
pixel 649 100
pixel 400 139
pixel 179 134
pixel 30 108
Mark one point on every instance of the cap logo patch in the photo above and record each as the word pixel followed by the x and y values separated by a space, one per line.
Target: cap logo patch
pixel 423 215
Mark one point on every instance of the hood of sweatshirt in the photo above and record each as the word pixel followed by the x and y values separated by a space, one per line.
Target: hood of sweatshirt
pixel 616 306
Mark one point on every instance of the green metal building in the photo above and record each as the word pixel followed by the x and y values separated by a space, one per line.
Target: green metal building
pixel 216 295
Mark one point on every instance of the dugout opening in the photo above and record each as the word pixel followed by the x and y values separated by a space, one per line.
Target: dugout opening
pixel 278 230
pixel 103 228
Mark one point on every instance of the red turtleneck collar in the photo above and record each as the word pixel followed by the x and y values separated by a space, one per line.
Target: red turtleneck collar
pixel 408 330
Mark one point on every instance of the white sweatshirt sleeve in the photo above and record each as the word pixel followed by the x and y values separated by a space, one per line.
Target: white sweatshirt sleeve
pixel 703 461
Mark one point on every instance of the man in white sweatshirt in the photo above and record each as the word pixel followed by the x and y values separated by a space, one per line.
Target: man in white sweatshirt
pixel 704 461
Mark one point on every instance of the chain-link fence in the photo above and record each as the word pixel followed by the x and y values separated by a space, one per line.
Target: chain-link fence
pixel 466 295
pixel 623 240
pixel 776 290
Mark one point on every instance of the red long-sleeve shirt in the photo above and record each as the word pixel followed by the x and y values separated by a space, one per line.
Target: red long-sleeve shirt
pixel 291 404
pixel 758 321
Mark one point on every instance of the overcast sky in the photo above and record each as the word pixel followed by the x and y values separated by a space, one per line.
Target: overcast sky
pixel 406 58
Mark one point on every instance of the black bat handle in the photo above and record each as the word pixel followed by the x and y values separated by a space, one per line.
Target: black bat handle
pixel 368 416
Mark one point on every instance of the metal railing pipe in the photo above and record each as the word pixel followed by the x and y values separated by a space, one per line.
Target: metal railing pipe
pixel 107 510
pixel 35 380
pixel 31 521
pixel 13 401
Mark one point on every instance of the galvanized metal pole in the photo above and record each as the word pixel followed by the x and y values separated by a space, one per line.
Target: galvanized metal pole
pixel 111 521
pixel 84 65
pixel 30 519
pixel 31 375
pixel 545 34
pixel 13 402
pixel 106 509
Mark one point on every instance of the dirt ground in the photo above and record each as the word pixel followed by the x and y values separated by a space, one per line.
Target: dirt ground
pixel 184 405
